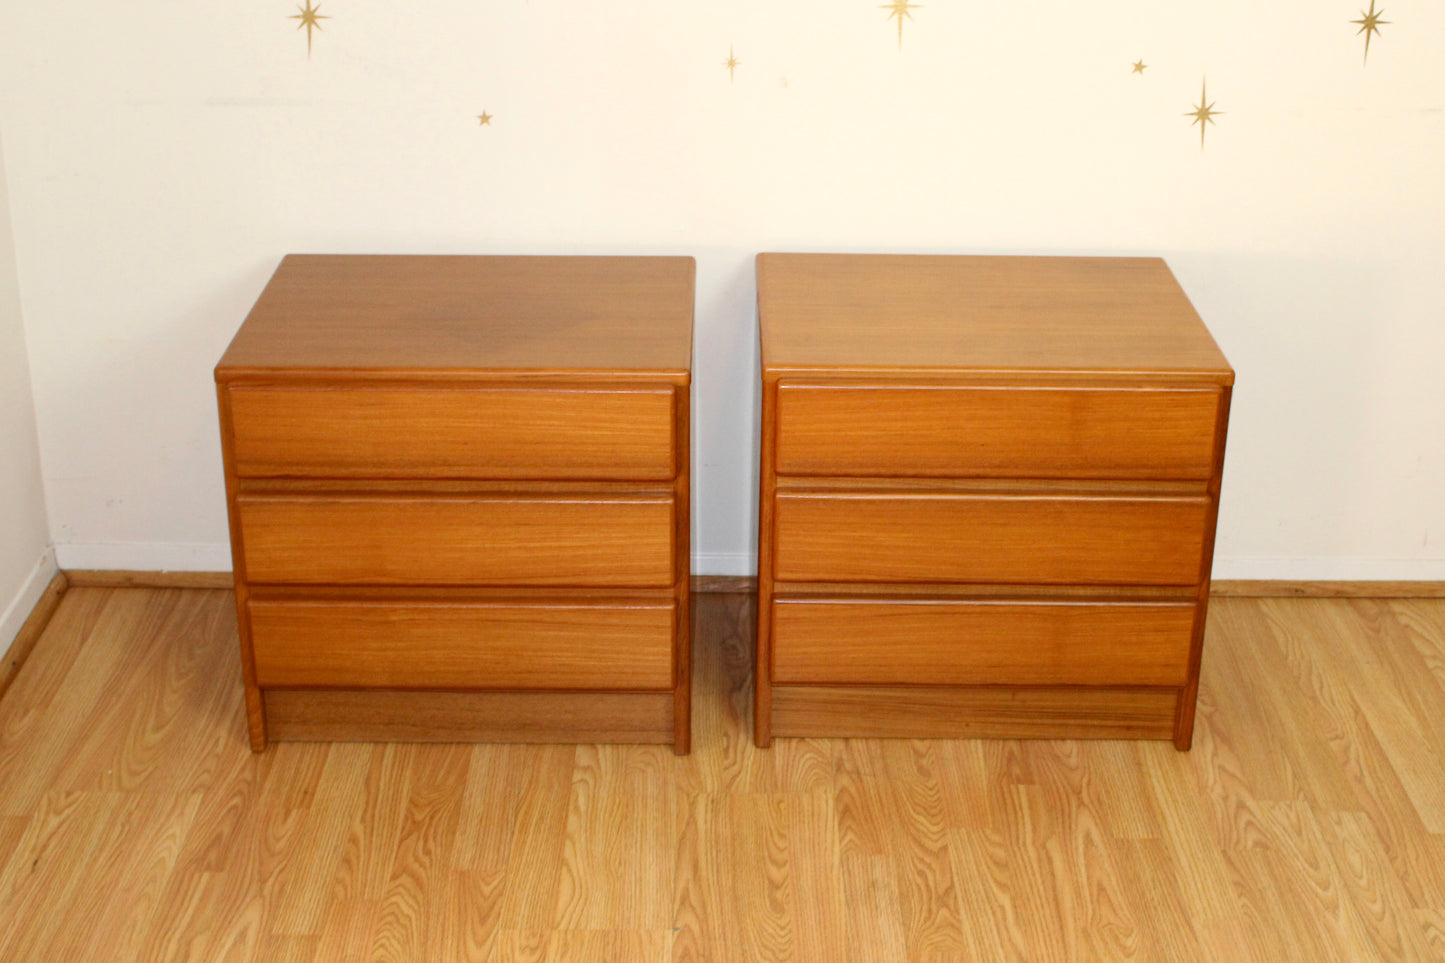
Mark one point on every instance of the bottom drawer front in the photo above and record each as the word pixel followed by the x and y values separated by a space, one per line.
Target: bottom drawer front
pixel 981 643
pixel 480 645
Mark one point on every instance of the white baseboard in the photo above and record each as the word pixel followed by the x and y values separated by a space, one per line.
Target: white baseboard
pixel 145 556
pixel 1330 569
pixel 724 563
pixel 24 601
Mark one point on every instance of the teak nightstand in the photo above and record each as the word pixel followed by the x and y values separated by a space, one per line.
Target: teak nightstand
pixel 988 501
pixel 458 492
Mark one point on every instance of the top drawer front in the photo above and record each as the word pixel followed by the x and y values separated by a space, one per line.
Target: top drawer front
pixel 996 432
pixel 429 432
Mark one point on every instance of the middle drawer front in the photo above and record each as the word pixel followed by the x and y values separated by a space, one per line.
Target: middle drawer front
pixel 1034 539
pixel 458 540
pixel 418 644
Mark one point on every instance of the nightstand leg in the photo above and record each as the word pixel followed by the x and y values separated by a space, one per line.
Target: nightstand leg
pixel 1184 716
pixel 256 718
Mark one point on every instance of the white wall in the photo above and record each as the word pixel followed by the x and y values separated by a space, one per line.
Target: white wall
pixel 163 156
pixel 26 561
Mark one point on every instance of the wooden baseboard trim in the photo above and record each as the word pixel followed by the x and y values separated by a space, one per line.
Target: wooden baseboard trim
pixel 31 631
pixel 1263 589
pixel 104 578
pixel 725 584
pixel 742 584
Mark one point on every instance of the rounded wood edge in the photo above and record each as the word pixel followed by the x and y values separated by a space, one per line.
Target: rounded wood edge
pixel 1219 588
pixel 231 375
pixel 31 630
pixel 1041 377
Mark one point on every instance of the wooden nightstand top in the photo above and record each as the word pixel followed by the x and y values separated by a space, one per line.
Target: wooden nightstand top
pixel 463 316
pixel 910 315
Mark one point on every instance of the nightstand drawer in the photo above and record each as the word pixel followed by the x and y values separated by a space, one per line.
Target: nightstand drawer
pixel 412 644
pixel 458 540
pixel 1043 539
pixel 428 432
pixel 996 432
pixel 933 642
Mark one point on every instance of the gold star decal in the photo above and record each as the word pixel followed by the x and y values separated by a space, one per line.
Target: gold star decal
pixel 1370 24
pixel 1139 66
pixel 1203 114
pixel 899 9
pixel 485 118
pixel 731 63
pixel 309 17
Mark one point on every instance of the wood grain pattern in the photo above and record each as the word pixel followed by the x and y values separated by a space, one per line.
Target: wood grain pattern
pixel 508 318
pixel 681 578
pixel 1303 825
pixel 982 432
pixel 930 642
pixel 439 432
pixel 767 529
pixel 1061 540
pixel 989 316
pixel 416 644
pixel 1189 695
pixel 403 715
pixel 452 425
pixel 956 427
pixel 972 712
pixel 499 540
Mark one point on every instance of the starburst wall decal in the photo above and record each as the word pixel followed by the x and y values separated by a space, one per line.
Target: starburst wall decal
pixel 898 10
pixel 309 17
pixel 1370 23
pixel 1203 114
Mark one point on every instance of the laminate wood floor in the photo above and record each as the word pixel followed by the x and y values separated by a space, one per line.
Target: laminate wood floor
pixel 1308 823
